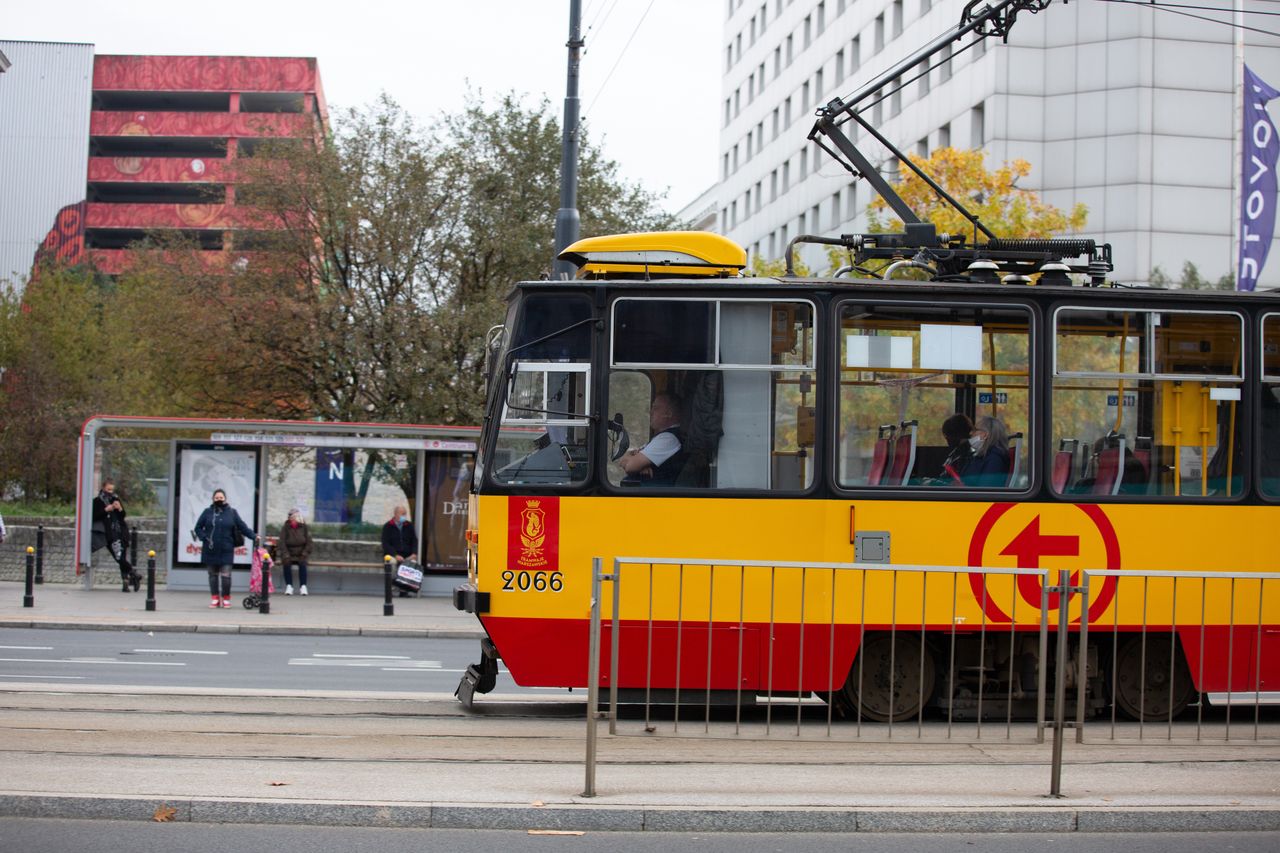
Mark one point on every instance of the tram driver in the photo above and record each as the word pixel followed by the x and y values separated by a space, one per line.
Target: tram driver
pixel 658 463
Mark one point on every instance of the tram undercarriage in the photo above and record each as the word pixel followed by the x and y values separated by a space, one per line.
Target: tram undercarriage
pixel 998 677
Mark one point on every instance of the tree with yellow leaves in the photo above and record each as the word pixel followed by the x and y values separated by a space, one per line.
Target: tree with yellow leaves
pixel 994 197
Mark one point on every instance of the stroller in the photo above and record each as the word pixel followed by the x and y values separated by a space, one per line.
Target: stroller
pixel 260 567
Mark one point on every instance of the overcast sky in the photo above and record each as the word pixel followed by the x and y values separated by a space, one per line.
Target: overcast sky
pixel 650 78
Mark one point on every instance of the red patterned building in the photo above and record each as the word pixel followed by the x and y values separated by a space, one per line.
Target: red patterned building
pixel 162 134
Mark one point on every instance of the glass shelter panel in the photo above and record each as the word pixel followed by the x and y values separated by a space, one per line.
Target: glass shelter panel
pixel 1147 403
pixel 934 396
pixel 1269 437
pixel 712 394
pixel 545 400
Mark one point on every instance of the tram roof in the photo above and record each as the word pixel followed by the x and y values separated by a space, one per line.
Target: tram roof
pixel 1114 292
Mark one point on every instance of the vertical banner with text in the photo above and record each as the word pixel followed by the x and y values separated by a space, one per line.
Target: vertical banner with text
pixel 1257 181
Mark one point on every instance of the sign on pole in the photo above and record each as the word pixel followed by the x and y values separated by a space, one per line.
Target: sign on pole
pixel 1257 181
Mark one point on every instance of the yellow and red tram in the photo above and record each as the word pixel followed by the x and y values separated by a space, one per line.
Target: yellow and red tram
pixel 1139 431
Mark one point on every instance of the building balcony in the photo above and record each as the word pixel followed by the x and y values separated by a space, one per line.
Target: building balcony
pixel 157 169
pixel 207 125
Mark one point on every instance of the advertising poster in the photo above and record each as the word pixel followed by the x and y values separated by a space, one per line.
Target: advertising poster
pixel 201 470
pixel 331 502
pixel 445 527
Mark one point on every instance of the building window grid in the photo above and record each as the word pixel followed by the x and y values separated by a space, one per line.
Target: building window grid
pixel 839 66
pixel 815 221
pixel 808 31
pixel 822 17
pixel 855 54
pixel 851 212
pixel 804 163
pixel 923 70
pixel 879 33
pixel 897 18
pixel 817 87
pixel 759 194
pixel 944 136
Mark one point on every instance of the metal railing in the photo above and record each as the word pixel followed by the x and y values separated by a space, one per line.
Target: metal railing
pixel 787 630
pixel 1199 615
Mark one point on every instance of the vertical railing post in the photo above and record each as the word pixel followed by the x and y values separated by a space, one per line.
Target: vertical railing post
pixel 593 679
pixel 1082 682
pixel 1042 681
pixel 133 545
pixel 615 640
pixel 151 580
pixel 29 596
pixel 39 554
pixel 388 609
pixel 1060 685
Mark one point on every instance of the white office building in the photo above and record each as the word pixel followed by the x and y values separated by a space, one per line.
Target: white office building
pixel 1130 109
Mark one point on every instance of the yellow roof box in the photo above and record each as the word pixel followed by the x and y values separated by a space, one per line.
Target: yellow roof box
pixel 656 254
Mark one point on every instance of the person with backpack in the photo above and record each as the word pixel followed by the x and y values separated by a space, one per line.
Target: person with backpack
pixel 220 530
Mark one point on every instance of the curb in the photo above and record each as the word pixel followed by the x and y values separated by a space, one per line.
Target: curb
pixel 233 628
pixel 590 818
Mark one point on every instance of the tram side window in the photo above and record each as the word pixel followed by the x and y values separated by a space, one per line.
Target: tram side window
pixel 1147 403
pixel 545 388
pixel 1270 417
pixel 934 396
pixel 719 392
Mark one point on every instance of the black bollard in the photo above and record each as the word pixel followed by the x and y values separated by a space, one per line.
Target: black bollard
pixel 29 599
pixel 151 580
pixel 40 554
pixel 388 609
pixel 133 546
pixel 264 600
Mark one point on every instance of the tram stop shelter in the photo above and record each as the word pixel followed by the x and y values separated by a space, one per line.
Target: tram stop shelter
pixel 345 477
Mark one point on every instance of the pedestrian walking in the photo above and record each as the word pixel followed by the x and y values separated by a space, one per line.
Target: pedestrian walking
pixel 294 549
pixel 108 523
pixel 218 529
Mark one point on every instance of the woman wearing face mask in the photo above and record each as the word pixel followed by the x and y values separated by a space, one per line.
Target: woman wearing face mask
pixel 218 551
pixel 989 466
pixel 295 549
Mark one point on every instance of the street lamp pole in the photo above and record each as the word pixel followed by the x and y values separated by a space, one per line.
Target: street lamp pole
pixel 567 215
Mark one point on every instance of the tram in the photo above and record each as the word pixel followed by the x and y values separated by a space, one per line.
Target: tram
pixel 1012 409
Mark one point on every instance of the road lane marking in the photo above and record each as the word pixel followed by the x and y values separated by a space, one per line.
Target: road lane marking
pixel 175 652
pixel 366 657
pixel 30 648
pixel 380 662
pixel 412 668
pixel 95 660
pixel 42 677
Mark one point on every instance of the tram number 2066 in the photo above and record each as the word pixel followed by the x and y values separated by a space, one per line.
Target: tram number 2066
pixel 536 581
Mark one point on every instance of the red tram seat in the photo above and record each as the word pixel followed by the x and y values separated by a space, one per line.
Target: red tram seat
pixel 1063 462
pixel 1110 472
pixel 1016 475
pixel 881 454
pixel 904 454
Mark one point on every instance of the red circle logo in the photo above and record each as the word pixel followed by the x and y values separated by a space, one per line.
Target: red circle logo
pixel 1032 545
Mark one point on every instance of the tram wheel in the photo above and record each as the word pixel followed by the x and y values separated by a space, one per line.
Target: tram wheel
pixel 885 693
pixel 1150 695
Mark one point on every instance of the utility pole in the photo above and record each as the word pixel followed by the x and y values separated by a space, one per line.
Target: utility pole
pixel 567 215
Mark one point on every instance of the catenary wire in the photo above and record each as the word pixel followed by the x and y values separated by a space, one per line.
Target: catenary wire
pixel 617 61
pixel 1161 7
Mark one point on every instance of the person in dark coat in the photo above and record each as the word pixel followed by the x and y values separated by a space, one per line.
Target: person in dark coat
pixel 295 549
pixel 956 431
pixel 217 546
pixel 399 539
pixel 110 530
pixel 989 467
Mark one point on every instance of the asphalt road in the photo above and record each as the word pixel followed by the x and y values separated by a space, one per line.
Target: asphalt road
pixel 260 661
pixel 39 836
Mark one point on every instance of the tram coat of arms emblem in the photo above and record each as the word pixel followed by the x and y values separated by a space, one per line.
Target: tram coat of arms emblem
pixel 533 533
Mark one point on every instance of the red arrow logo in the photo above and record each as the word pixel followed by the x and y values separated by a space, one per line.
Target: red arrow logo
pixel 1029 546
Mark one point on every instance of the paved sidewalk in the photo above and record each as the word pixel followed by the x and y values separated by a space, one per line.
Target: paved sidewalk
pixel 438 765
pixel 67 606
